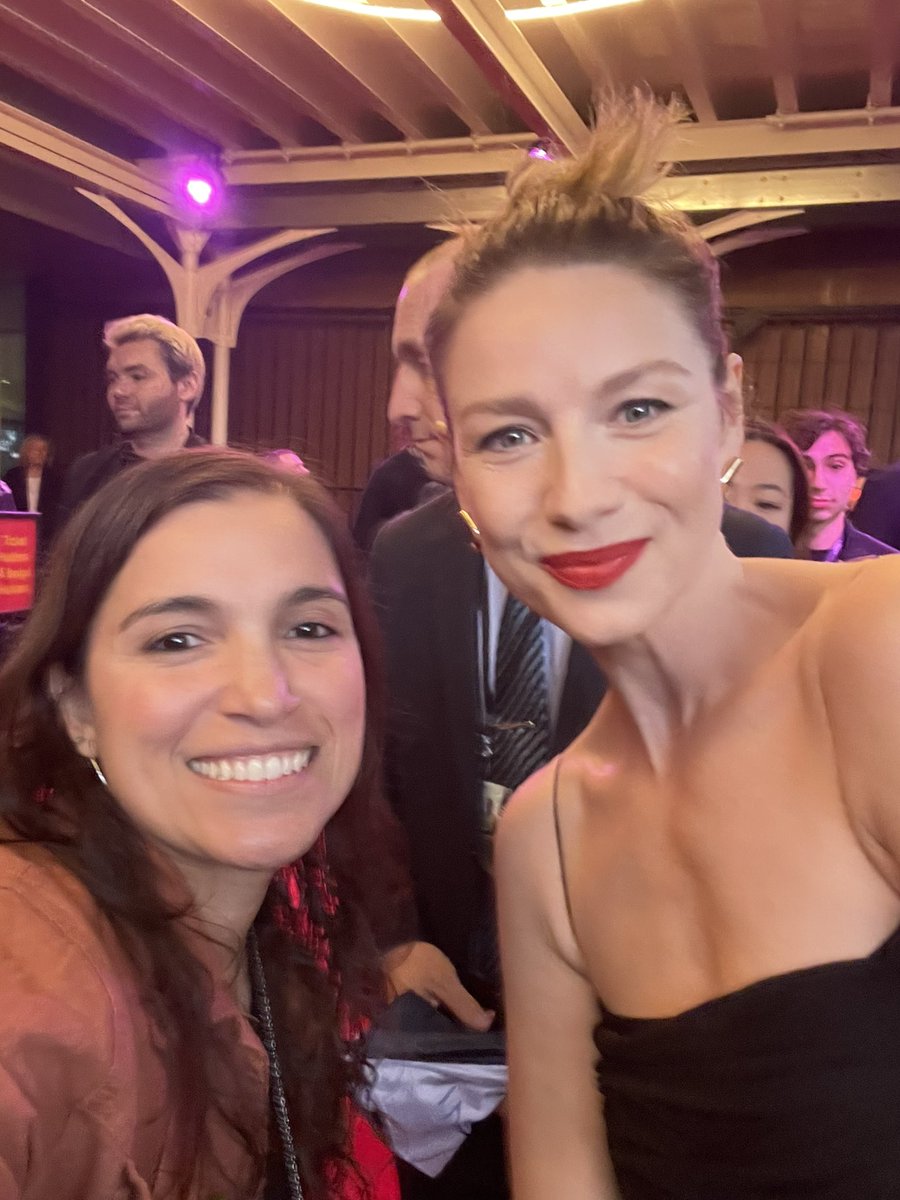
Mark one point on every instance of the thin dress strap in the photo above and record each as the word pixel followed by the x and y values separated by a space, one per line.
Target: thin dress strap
pixel 559 845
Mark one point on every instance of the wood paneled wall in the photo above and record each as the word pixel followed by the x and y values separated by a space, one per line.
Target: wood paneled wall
pixel 316 382
pixel 846 363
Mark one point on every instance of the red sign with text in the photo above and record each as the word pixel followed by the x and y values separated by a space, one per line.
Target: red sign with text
pixel 18 554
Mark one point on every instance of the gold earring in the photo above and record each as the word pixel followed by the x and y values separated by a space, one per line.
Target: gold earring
pixel 98 772
pixel 470 524
pixel 441 428
pixel 731 470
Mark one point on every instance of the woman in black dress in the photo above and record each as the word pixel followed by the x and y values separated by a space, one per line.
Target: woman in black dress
pixel 700 899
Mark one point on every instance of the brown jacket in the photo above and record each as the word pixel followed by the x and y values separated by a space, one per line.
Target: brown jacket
pixel 85 1112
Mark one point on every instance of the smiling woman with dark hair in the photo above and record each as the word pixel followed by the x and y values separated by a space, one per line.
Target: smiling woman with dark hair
pixel 193 841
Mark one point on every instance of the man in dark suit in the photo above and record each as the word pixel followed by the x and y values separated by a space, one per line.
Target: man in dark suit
pixel 34 482
pixel 877 512
pixel 433 596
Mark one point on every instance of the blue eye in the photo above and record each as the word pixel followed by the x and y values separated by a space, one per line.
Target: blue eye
pixel 511 438
pixel 174 643
pixel 637 412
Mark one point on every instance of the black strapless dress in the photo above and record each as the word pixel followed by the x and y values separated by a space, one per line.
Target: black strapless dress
pixel 788 1089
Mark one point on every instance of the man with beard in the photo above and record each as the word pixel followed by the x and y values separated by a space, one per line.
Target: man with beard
pixel 154 380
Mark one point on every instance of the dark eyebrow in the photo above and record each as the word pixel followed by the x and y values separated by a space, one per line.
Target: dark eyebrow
pixel 770 487
pixel 525 406
pixel 199 604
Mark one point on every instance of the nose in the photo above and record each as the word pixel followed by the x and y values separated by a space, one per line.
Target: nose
pixel 405 400
pixel 816 472
pixel 581 482
pixel 257 686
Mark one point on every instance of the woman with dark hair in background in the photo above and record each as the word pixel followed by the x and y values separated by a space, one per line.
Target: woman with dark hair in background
pixel 769 479
pixel 700 898
pixel 193 841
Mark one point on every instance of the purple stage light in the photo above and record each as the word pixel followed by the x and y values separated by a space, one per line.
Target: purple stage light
pixel 199 190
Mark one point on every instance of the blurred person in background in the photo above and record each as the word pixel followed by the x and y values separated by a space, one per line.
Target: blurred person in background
pixel 769 479
pixel 877 512
pixel 35 482
pixel 834 449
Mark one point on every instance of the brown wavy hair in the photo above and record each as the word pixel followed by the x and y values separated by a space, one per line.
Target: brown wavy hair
pixel 806 425
pixel 593 209
pixel 51 797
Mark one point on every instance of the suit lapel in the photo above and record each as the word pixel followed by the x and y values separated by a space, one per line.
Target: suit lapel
pixel 456 579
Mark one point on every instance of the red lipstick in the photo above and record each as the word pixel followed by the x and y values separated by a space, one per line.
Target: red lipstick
pixel 590 570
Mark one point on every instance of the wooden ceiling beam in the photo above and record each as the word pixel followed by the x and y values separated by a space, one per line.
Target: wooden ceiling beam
pixel 359 48
pixel 586 53
pixel 504 55
pixel 54 70
pixel 37 140
pixel 804 138
pixel 687 57
pixel 255 46
pixel 883 25
pixel 66 32
pixel 34 193
pixel 144 27
pixel 452 73
pixel 780 24
pixel 804 187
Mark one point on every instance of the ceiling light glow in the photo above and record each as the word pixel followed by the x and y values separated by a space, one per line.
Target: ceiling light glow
pixel 553 10
pixel 199 190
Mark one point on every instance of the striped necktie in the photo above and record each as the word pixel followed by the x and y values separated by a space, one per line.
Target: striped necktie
pixel 520 717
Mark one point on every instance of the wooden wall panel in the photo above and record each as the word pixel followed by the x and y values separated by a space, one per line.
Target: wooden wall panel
pixel 844 363
pixel 317 382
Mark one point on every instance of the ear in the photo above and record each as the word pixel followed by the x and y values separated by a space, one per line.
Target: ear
pixel 188 389
pixel 74 711
pixel 732 407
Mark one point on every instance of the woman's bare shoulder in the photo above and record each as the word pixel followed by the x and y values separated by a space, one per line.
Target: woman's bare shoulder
pixel 860 614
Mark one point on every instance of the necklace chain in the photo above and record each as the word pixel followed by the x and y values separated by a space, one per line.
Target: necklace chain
pixel 276 1083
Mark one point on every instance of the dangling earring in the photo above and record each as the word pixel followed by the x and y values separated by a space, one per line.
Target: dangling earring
pixel 98 772
pixel 472 528
pixel 731 470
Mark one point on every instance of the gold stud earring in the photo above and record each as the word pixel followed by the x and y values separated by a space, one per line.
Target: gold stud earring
pixel 731 470
pixel 441 428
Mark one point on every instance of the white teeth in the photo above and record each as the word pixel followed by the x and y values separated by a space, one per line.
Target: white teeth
pixel 253 768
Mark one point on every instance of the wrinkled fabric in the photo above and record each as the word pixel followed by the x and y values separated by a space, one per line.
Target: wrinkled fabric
pixel 85 1111
pixel 428 1108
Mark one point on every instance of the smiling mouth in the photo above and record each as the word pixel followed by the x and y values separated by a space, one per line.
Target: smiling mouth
pixel 591 570
pixel 252 768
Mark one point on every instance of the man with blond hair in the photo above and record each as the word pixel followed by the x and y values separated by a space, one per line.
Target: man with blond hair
pixel 154 380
